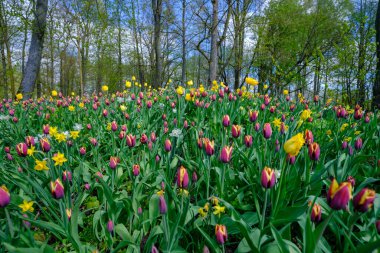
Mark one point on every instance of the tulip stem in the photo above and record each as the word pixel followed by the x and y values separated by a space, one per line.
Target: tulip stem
pixel 351 222
pixel 222 182
pixel 264 209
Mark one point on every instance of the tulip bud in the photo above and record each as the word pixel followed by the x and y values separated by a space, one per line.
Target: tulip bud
pixel 194 177
pixel 221 233
pixel 314 151
pixel 113 162
pixel 110 226
pixel 248 141
pixel 209 146
pixel 68 213
pixel 9 157
pixel 136 170
pixel 131 140
pixel 154 250
pixel 344 144
pixel 268 178
pixel 358 143
pixel 309 138
pixel 257 127
pixel 29 140
pixel 67 175
pixel 350 150
pixel 205 249
pixel 45 145
pixel 25 222
pixel 225 154
pixel 168 145
pixel 5 197
pixel 226 120
pixel 22 149
pixel 267 131
pixel 144 139
pixel 235 131
pixel 46 129
pixel 253 115
pixel 364 200
pixel 291 159
pixel 162 205
pixel 316 213
pixel 153 137
pixel 57 189
pixel 182 177
pixel 339 195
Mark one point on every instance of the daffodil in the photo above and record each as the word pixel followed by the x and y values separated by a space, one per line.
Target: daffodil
pixel 59 159
pixel 60 137
pixel 19 96
pixel 31 150
pixel 285 92
pixel 53 131
pixel 81 104
pixel 74 134
pixel 41 165
pixel 277 122
pixel 71 108
pixel 54 93
pixel 343 127
pixel 219 210
pixel 305 114
pixel 357 132
pixel 180 90
pixel 251 81
pixel 26 206
pixel 104 88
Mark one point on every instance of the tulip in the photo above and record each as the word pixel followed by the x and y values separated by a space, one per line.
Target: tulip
pixel 358 143
pixel 282 128
pixel 291 159
pixel 364 200
pixel 339 195
pixel 235 131
pixel 168 145
pixel 68 213
pixel 131 140
pixel 253 115
pixel 225 154
pixel 22 149
pixel 136 170
pixel 144 139
pixel 316 213
pixel 344 144
pixel 110 226
pixel 268 178
pixel 5 197
pixel 29 140
pixel 267 131
pixel 221 233
pixel 182 177
pixel 162 205
pixel 257 127
pixel 314 151
pixel 57 189
pixel 294 144
pixel 248 140
pixel 366 120
pixel 153 137
pixel 114 126
pixel 7 149
pixel 113 162
pixel 26 223
pixel 194 177
pixel 226 120
pixel 209 146
pixel 154 250
pixel 309 138
pixel 350 150
pixel 67 175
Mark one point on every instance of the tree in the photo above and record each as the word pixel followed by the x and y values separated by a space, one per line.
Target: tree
pixel 376 85
pixel 157 12
pixel 35 51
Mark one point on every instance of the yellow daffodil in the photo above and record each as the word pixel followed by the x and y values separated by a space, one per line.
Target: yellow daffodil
pixel 133 78
pixel 277 122
pixel 128 84
pixel 190 83
pixel 53 131
pixel 26 206
pixel 31 150
pixel 219 210
pixel 81 104
pixel 71 108
pixel 180 90
pixel 305 114
pixel 202 212
pixel 161 192
pixel 54 93
pixel 59 159
pixel 328 132
pixel 285 92
pixel 60 137
pixel 41 165
pixel 343 127
pixel 74 134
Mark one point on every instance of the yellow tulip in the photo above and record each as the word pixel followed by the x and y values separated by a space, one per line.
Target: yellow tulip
pixel 251 81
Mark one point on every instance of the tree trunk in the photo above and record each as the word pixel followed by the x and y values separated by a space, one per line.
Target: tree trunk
pixel 35 51
pixel 24 48
pixel 119 65
pixel 376 85
pixel 214 42
pixel 361 58
pixel 183 77
pixel 157 12
pixel 2 51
